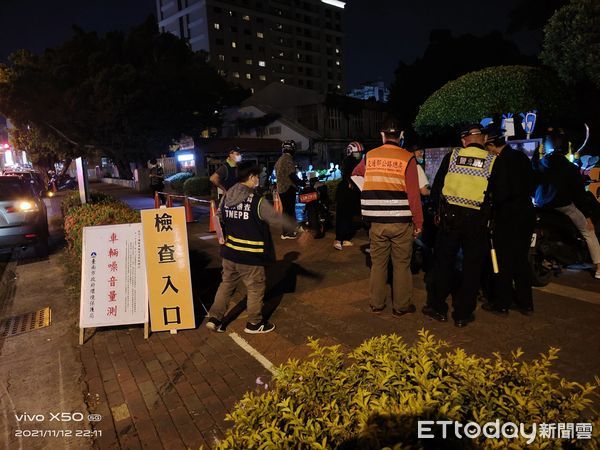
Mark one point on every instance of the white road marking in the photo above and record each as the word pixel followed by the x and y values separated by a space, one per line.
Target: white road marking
pixel 571 292
pixel 253 352
pixel 207 237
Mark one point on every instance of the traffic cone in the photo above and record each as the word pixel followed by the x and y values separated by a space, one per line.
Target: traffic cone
pixel 156 200
pixel 189 213
pixel 277 202
pixel 213 216
pixel 169 201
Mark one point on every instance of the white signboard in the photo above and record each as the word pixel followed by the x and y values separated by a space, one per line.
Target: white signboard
pixel 113 276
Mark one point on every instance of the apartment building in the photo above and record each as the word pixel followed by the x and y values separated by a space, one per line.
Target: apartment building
pixel 257 42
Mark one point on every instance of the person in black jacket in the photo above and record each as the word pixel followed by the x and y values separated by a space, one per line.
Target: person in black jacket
pixel 347 198
pixel 513 218
pixel 561 187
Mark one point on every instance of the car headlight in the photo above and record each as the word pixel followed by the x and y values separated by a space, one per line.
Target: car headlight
pixel 26 206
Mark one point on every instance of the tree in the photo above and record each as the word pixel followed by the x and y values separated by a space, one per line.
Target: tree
pixel 446 58
pixel 493 91
pixel 572 42
pixel 125 95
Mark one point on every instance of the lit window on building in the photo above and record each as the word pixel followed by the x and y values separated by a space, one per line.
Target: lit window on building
pixel 260 35
pixel 281 54
pixel 231 14
pixel 222 72
pixel 233 44
pixel 252 90
pixel 337 63
pixel 249 62
pixel 262 64
pixel 339 86
pixel 217 26
pixel 282 80
pixel 337 51
pixel 248 76
pixel 221 57
pixel 262 77
pixel 236 74
pixel 279 26
pixel 246 17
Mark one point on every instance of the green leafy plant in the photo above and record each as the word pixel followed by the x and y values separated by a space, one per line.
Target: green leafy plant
pixel 494 90
pixel 196 186
pixel 90 215
pixel 176 181
pixel 72 200
pixel 373 397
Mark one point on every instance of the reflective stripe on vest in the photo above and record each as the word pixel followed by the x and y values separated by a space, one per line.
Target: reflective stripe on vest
pixel 466 182
pixel 244 245
pixel 384 197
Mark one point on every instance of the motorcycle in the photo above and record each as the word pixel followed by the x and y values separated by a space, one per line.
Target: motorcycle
pixel 315 198
pixel 63 183
pixel 555 243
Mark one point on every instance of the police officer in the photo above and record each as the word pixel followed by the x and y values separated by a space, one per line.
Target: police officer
pixel 460 189
pixel 513 218
pixel 391 202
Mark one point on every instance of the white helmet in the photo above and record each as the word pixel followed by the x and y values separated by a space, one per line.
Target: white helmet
pixel 354 147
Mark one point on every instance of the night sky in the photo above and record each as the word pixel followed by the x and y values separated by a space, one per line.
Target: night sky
pixel 379 33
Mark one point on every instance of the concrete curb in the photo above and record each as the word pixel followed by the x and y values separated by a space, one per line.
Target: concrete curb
pixel 7 277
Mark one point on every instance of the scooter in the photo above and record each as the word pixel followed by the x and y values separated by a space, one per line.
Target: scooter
pixel 315 197
pixel 555 243
pixel 63 183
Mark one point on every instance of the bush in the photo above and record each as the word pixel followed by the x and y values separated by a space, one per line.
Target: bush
pixel 176 181
pixel 72 200
pixel 197 186
pixel 94 214
pixel 494 90
pixel 373 398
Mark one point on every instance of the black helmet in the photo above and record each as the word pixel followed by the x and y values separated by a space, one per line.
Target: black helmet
pixel 288 147
pixel 471 129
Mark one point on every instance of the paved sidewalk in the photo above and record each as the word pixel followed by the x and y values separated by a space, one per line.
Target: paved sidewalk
pixel 173 391
pixel 40 371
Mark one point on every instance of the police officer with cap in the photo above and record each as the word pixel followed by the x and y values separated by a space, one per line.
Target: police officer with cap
pixel 513 218
pixel 459 190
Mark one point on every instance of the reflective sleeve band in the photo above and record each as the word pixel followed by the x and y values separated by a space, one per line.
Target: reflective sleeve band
pixel 245 249
pixel 244 241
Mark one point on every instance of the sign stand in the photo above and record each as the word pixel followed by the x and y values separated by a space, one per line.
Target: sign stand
pixel 146 330
pixel 81 335
pixel 173 331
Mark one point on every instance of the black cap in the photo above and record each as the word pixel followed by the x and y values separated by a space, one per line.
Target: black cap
pixel 391 125
pixel 234 149
pixel 494 132
pixel 470 129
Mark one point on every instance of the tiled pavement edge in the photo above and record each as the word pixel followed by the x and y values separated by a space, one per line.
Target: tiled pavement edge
pixel 170 391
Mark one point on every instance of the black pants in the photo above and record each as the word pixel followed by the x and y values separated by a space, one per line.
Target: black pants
pixel 461 229
pixel 347 205
pixel 288 202
pixel 513 282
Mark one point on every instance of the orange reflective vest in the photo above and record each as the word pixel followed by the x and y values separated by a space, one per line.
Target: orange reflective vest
pixel 384 198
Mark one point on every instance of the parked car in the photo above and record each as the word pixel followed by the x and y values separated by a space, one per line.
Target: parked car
pixel 23 215
pixel 35 178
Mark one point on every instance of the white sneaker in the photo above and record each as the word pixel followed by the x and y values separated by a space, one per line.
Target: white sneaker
pixel 597 276
pixel 337 245
pixel 347 244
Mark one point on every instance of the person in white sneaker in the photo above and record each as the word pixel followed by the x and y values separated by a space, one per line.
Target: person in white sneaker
pixel 347 197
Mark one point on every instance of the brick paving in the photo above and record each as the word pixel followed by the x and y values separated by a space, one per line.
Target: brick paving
pixel 170 391
pixel 173 391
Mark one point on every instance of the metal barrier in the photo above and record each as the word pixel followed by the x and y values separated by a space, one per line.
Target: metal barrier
pixel 187 203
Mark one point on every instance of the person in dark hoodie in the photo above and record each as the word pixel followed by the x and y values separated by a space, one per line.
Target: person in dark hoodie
pixel 561 187
pixel 246 248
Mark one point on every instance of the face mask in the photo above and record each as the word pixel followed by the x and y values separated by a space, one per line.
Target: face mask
pixel 356 155
pixel 238 158
pixel 420 160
